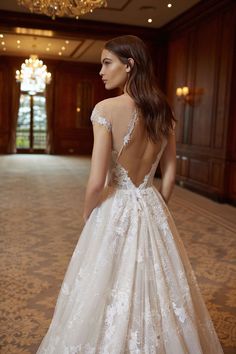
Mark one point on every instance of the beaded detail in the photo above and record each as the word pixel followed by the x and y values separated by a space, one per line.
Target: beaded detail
pixel 97 118
pixel 127 137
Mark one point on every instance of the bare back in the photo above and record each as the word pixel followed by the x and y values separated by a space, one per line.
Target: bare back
pixel 132 149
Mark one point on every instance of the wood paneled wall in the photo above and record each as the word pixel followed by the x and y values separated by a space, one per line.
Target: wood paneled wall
pixel 202 57
pixel 69 138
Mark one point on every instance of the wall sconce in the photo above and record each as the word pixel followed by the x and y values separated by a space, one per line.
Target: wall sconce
pixel 189 96
pixel 183 93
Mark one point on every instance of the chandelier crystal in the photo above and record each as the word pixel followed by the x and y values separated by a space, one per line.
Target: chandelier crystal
pixel 53 8
pixel 33 75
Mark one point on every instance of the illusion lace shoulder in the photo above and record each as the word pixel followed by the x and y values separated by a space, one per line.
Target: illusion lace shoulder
pixel 129 287
pixel 96 117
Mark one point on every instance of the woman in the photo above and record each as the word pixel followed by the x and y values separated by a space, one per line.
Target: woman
pixel 129 287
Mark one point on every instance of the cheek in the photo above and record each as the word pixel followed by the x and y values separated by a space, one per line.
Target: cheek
pixel 117 70
pixel 120 74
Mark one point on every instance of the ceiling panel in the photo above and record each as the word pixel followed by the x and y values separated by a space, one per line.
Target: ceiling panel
pixel 130 12
pixel 92 54
pixel 25 44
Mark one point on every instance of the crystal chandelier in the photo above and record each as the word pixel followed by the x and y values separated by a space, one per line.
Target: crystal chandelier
pixel 53 8
pixel 33 75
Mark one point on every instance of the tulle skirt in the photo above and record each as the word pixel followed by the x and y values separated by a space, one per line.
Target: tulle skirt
pixel 129 287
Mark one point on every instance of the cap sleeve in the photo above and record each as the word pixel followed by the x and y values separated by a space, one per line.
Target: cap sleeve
pixel 97 117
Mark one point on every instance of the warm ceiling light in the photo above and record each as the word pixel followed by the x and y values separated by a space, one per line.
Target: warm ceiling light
pixel 34 32
pixel 4 49
pixel 3 43
pixel 47 49
pixel 150 20
pixel 18 41
pixel 63 48
pixel 1 35
pixel 55 8
pixel 169 5
pixel 60 53
pixel 18 46
pixel 67 42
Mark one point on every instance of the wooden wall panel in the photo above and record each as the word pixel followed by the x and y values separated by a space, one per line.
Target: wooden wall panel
pixel 2 134
pixel 184 166
pixel 1 98
pixel 205 71
pixel 65 100
pixel 178 165
pixel 231 181
pixel 177 71
pixel 206 135
pixel 217 169
pixel 224 79
pixel 231 139
pixel 199 170
pixel 4 106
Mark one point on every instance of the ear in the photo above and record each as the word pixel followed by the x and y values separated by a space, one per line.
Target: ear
pixel 130 65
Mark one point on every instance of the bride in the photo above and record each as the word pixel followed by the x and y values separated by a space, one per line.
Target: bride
pixel 129 287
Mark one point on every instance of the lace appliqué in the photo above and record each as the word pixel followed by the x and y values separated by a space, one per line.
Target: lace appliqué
pixel 132 123
pixel 96 117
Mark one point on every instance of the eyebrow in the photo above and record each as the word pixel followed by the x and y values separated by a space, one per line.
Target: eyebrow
pixel 106 59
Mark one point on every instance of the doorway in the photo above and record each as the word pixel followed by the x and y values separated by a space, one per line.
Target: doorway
pixel 31 129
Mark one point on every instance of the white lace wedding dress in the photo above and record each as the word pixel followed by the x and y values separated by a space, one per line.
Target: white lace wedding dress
pixel 129 287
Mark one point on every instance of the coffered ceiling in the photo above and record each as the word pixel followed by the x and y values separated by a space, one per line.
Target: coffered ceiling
pixel 119 12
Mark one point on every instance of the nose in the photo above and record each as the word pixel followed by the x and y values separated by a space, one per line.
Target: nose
pixel 100 72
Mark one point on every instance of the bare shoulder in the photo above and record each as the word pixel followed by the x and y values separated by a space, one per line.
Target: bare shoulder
pixel 108 107
pixel 114 104
pixel 108 103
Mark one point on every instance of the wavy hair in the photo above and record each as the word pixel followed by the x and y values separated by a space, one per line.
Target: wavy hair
pixel 142 87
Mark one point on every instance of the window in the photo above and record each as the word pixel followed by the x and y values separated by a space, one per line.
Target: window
pixel 32 123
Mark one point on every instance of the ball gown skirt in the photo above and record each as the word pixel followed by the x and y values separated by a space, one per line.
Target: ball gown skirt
pixel 129 287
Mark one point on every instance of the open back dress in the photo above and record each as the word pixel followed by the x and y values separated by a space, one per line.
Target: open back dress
pixel 129 287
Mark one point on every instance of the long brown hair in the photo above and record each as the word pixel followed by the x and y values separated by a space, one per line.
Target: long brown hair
pixel 142 87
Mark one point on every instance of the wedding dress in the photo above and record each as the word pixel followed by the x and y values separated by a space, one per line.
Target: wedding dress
pixel 129 287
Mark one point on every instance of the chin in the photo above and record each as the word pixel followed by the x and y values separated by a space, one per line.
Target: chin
pixel 109 87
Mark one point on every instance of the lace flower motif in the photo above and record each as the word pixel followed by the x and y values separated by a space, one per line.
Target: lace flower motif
pixel 127 137
pixel 96 117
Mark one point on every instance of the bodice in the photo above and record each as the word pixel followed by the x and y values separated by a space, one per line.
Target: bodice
pixel 118 176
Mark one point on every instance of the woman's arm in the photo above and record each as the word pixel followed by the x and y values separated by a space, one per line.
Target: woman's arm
pixel 99 166
pixel 168 168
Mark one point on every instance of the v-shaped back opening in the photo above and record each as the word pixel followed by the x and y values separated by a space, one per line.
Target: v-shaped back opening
pixel 137 155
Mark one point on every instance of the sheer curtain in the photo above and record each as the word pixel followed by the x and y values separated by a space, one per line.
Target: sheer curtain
pixel 15 103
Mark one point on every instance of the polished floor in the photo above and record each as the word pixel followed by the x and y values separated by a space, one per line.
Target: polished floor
pixel 41 199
